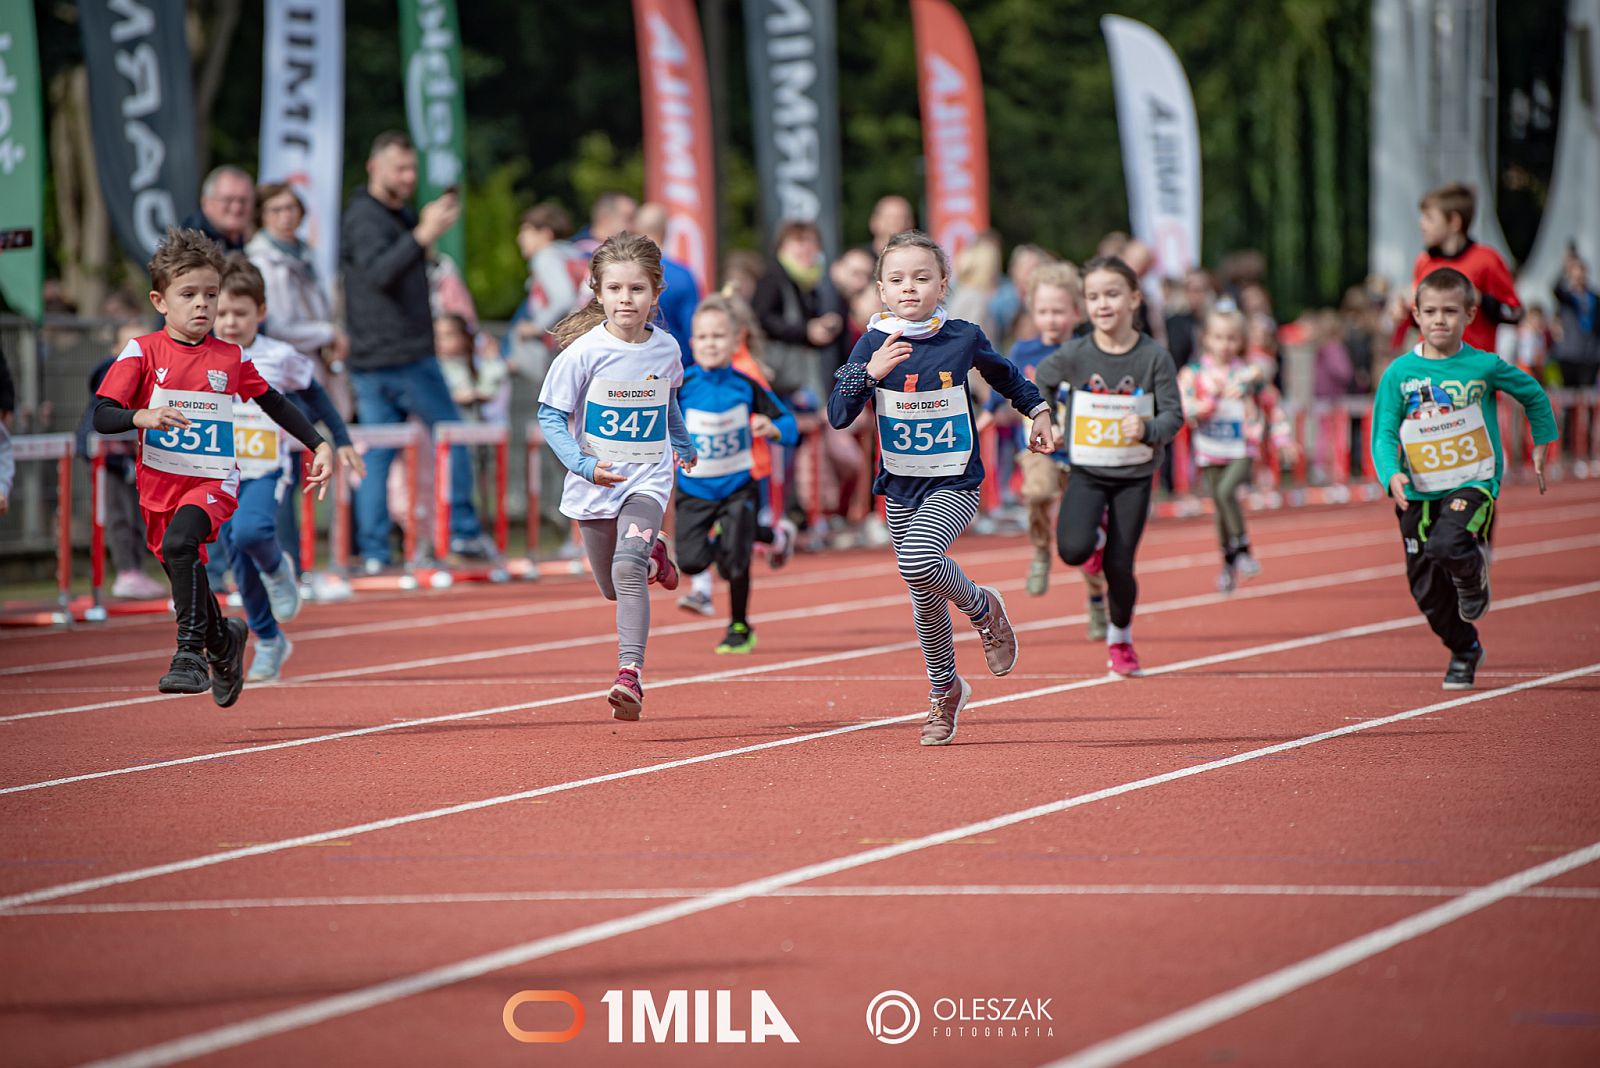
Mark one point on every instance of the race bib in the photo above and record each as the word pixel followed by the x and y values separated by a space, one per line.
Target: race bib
pixel 722 440
pixel 204 448
pixel 925 435
pixel 257 442
pixel 1222 436
pixel 1097 439
pixel 626 422
pixel 1449 450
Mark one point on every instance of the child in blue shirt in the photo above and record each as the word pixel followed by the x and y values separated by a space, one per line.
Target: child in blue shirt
pixel 724 410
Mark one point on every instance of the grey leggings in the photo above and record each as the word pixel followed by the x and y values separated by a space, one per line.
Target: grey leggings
pixel 619 553
pixel 1223 483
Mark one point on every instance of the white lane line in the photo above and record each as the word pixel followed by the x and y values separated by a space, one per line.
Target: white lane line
pixel 812 613
pixel 591 600
pixel 50 893
pixel 514 897
pixel 1165 564
pixel 1339 542
pixel 275 1023
pixel 1252 995
pixel 986 556
pixel 1157 608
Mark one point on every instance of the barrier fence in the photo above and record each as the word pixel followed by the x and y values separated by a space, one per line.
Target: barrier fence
pixel 1328 465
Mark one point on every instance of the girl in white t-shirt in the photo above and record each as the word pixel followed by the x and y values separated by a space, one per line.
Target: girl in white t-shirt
pixel 609 410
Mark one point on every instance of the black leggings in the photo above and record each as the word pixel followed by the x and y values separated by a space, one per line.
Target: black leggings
pixel 200 622
pixel 1078 525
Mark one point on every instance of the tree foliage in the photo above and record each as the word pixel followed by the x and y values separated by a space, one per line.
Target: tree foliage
pixel 1281 91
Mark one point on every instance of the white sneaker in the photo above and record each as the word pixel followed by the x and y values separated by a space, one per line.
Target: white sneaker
pixel 1247 567
pixel 270 656
pixel 137 586
pixel 784 538
pixel 283 590
pixel 695 601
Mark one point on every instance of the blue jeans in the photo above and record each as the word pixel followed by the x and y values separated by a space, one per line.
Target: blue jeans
pixel 252 540
pixel 390 395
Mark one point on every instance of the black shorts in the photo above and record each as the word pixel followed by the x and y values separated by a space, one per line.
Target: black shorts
pixel 735 518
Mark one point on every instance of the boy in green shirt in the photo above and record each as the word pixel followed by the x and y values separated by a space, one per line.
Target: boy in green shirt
pixel 1436 447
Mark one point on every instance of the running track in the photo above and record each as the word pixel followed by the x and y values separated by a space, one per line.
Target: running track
pixel 1286 845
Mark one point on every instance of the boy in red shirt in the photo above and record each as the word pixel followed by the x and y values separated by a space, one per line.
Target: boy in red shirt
pixel 177 386
pixel 1446 217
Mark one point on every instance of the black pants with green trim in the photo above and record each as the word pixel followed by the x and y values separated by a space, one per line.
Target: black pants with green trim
pixel 1442 539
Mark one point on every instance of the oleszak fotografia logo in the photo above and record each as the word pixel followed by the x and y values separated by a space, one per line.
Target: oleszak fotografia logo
pixel 893 1017
pixel 681 1016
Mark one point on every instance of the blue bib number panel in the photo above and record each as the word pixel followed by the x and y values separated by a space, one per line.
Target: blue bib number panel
pixel 925 435
pixel 1222 435
pixel 626 422
pixel 204 448
pixel 721 439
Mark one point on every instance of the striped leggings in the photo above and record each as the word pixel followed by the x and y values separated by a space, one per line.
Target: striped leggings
pixel 922 536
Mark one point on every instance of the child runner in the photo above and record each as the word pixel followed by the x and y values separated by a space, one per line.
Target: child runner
pixel 1446 217
pixel 1124 406
pixel 1230 405
pixel 725 411
pixel 913 364
pixel 265 572
pixel 609 409
pixel 1436 447
pixel 1055 305
pixel 178 386
pixel 779 535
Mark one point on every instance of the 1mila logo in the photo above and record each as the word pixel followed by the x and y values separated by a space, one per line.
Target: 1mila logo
pixel 684 1016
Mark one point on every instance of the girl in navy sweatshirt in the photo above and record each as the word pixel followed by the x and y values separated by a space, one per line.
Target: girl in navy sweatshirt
pixel 912 363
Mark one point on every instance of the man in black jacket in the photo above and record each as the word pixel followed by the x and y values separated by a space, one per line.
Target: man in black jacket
pixel 384 255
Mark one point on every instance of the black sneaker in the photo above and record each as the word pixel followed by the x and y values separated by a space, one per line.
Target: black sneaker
pixel 227 670
pixel 1473 601
pixel 187 674
pixel 1463 670
pixel 739 639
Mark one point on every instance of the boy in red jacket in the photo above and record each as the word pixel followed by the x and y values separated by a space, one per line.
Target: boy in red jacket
pixel 1447 214
pixel 177 387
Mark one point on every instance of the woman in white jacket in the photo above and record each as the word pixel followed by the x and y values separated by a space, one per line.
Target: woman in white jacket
pixel 298 311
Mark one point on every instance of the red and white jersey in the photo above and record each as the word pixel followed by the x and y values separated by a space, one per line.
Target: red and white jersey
pixel 201 380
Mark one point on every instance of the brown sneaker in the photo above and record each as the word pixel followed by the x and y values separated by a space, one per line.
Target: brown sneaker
pixel 943 708
pixel 999 640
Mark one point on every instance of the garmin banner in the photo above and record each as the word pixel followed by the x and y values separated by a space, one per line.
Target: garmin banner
pixel 1160 143
pixel 430 49
pixel 141 111
pixel 794 94
pixel 302 117
pixel 21 163
pixel 955 145
pixel 679 168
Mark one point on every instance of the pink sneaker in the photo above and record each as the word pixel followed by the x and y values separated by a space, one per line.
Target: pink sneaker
pixel 1124 661
pixel 626 696
pixel 662 568
pixel 1096 564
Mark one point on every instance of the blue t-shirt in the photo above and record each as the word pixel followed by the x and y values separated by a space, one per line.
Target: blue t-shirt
pixel 1027 355
pixel 936 362
pixel 678 302
pixel 717 406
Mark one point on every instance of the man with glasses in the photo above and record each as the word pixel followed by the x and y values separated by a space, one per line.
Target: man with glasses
pixel 227 206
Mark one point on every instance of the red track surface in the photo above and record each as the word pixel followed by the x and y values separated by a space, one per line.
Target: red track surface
pixel 1123 909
